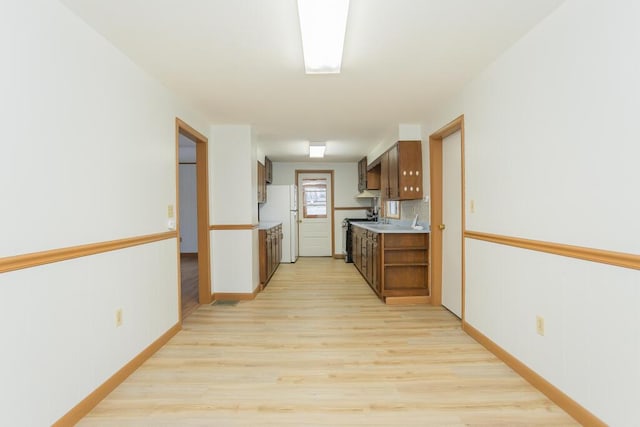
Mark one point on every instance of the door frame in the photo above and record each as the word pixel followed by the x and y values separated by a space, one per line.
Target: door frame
pixel 202 201
pixel 435 174
pixel 330 172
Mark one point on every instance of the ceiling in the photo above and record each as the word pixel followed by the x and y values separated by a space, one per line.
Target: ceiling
pixel 240 61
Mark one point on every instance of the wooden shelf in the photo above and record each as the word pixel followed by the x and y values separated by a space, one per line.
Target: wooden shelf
pixel 414 248
pixel 401 270
pixel 422 264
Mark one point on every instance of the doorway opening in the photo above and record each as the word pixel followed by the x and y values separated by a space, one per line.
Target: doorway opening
pixel 451 210
pixel 316 234
pixel 192 219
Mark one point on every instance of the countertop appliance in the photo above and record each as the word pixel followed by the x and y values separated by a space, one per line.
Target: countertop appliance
pixel 282 206
pixel 346 236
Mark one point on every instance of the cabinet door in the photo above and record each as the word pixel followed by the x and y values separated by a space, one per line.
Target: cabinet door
pixel 363 254
pixel 369 246
pixel 269 252
pixel 362 174
pixel 275 245
pixel 264 262
pixel 410 170
pixel 262 184
pixel 375 263
pixel 355 246
pixel 268 166
pixel 280 237
pixel 384 176
pixel 394 185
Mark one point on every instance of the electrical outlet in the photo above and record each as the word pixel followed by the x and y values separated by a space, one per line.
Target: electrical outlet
pixel 540 325
pixel 118 317
pixel 170 211
pixel 472 206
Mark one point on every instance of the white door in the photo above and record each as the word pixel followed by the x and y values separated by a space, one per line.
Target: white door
pixel 452 218
pixel 314 219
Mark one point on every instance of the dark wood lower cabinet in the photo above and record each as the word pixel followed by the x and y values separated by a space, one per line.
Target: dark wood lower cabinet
pixel 270 243
pixel 393 264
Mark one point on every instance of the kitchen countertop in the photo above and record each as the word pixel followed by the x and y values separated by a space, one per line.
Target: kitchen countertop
pixel 388 228
pixel 265 225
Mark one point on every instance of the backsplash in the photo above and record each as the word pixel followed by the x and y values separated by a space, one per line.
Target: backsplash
pixel 409 209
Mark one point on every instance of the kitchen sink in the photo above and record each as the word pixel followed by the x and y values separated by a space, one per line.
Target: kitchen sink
pixel 385 226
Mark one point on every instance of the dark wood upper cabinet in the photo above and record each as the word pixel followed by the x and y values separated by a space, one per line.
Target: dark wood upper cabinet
pixel 262 183
pixel 362 175
pixel 268 166
pixel 401 171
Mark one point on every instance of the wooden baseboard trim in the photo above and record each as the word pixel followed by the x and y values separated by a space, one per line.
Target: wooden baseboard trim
pixel 573 408
pixel 619 259
pixel 233 227
pixel 34 259
pixel 90 402
pixel 338 256
pixel 226 296
pixel 420 299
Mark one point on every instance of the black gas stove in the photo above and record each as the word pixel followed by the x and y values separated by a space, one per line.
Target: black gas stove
pixel 346 227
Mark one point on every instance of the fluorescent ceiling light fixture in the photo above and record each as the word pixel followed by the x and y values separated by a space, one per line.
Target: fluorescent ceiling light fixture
pixel 316 149
pixel 323 24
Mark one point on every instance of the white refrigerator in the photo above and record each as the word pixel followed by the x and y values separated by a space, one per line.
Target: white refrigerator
pixel 282 206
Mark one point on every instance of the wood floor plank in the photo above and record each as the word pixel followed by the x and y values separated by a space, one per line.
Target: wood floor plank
pixel 317 347
pixel 189 284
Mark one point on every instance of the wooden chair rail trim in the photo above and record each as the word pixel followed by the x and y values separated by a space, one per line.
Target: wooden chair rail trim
pixel 233 227
pixel 92 400
pixel 573 408
pixel 34 259
pixel 619 259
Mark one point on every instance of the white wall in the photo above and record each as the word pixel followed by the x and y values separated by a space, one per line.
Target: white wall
pixel 88 155
pixel 345 189
pixel 552 154
pixel 345 177
pixel 233 200
pixel 404 132
pixel 233 175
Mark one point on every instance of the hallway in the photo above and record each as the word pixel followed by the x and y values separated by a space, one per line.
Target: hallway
pixel 318 348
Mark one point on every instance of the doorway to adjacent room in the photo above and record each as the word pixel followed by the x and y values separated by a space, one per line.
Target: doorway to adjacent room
pixel 192 219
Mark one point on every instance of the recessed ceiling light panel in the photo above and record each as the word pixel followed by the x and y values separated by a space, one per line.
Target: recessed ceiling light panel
pixel 323 24
pixel 316 149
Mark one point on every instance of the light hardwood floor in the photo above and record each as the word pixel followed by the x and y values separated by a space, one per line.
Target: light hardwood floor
pixel 318 348
pixel 189 284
